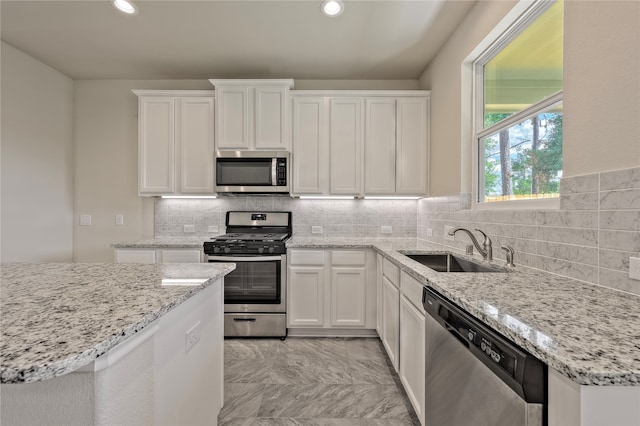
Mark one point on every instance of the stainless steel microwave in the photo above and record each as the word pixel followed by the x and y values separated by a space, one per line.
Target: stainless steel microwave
pixel 252 172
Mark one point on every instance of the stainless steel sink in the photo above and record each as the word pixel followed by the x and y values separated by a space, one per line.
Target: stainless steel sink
pixel 450 263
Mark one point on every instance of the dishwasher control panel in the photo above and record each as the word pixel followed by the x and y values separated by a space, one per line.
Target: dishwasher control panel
pixel 488 346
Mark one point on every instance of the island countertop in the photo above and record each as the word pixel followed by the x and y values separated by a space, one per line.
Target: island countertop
pixel 58 317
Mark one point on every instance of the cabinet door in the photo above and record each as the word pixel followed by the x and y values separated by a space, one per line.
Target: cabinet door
pixel 348 296
pixel 412 362
pixel 181 256
pixel 156 145
pixel 271 107
pixel 305 307
pixel 380 146
pixel 232 117
pixel 310 153
pixel 135 256
pixel 195 140
pixel 345 145
pixel 391 320
pixel 379 312
pixel 412 142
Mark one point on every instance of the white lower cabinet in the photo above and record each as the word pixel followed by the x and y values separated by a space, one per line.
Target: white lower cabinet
pixel 331 289
pixel 412 342
pixel 390 306
pixel 151 255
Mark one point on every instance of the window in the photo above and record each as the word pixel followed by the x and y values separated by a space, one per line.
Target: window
pixel 518 119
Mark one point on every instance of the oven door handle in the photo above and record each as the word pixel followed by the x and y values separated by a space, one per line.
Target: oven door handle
pixel 243 258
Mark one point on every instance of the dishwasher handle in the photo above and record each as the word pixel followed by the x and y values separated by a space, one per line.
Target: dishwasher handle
pixel 456 334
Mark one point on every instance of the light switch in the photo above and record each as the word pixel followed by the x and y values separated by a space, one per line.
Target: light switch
pixel 119 219
pixel 85 220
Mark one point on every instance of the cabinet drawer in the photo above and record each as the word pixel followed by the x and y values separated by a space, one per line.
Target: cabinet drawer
pixel 344 257
pixel 135 256
pixel 412 289
pixel 181 256
pixel 391 271
pixel 306 257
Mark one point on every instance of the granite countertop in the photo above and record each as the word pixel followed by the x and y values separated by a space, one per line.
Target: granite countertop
pixel 589 333
pixel 164 242
pixel 58 317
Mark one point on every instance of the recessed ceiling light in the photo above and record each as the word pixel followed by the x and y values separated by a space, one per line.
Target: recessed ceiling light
pixel 332 7
pixel 125 6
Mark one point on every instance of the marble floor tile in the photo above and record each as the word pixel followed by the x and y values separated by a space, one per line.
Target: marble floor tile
pixel 288 369
pixel 313 347
pixel 370 371
pixel 241 400
pixel 307 401
pixel 247 370
pixel 386 422
pixel 380 402
pixel 287 421
pixel 365 348
pixel 250 348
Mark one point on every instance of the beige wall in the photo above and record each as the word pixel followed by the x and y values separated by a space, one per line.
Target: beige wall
pixel 601 91
pixel 106 164
pixel 601 86
pixel 37 160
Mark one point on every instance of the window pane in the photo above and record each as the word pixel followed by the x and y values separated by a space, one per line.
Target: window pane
pixel 528 69
pixel 523 161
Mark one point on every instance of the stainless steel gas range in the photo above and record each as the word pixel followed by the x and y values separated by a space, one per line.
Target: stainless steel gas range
pixel 255 293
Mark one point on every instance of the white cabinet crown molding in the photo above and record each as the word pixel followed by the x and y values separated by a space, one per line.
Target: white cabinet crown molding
pixel 175 93
pixel 251 82
pixel 360 93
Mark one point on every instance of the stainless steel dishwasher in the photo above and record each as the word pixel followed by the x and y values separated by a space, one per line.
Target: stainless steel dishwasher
pixel 474 376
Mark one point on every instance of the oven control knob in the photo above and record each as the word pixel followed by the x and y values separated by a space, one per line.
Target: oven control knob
pixel 472 335
pixel 227 250
pixel 216 249
pixel 260 249
pixel 271 249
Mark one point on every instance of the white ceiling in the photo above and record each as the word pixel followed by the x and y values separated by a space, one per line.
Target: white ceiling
pixel 180 39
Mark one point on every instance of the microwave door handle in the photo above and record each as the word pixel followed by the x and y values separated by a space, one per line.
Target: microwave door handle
pixel 274 171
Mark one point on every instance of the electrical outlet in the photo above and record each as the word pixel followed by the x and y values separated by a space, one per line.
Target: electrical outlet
pixel 85 220
pixel 316 229
pixel 192 337
pixel 446 233
pixel 634 268
pixel 189 228
pixel 385 230
pixel 119 219
pixel 213 228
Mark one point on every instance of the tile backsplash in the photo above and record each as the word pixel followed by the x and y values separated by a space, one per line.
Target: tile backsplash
pixel 590 237
pixel 338 218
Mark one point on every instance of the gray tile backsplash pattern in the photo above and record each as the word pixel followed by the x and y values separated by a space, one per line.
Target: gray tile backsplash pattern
pixel 590 238
pixel 338 218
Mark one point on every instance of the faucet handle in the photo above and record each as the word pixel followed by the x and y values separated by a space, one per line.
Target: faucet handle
pixel 509 255
pixel 486 245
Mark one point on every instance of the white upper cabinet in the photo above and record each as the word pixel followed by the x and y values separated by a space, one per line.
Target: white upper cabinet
pixel 396 145
pixel 310 146
pixel 345 146
pixel 252 114
pixel 380 146
pixel 360 143
pixel 175 142
pixel 412 146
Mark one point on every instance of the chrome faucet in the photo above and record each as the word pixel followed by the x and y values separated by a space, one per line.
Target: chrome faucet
pixel 486 250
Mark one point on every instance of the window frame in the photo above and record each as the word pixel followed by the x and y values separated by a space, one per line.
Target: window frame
pixel 515 22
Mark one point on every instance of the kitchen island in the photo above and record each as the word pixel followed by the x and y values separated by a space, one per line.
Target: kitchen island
pixel 111 343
